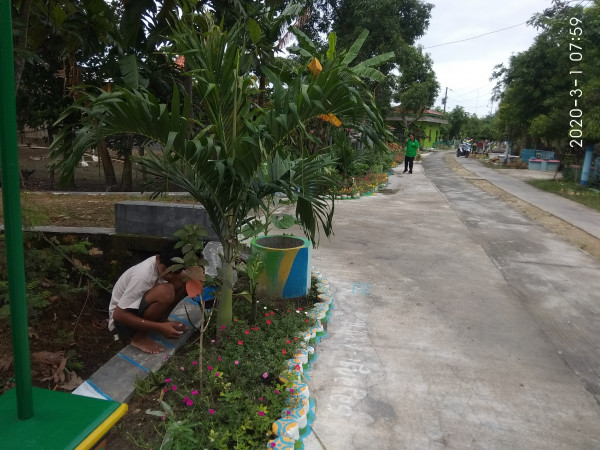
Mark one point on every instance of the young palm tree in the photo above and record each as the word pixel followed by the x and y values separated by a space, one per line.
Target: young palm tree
pixel 222 165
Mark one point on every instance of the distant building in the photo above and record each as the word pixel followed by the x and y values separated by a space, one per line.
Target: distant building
pixel 426 126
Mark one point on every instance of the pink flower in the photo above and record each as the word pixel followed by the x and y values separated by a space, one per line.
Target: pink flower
pixel 272 313
pixel 261 413
pixel 288 341
pixel 167 380
pixel 247 331
pixel 211 411
pixel 240 342
pixel 194 363
pixel 291 390
pixel 217 374
pixel 182 368
pixel 283 351
pixel 299 309
pixel 223 327
pixel 265 375
pixel 261 399
pixel 277 392
pixel 273 445
pixel 288 412
pixel 209 368
pixel 186 398
pixel 235 320
pixel 164 418
pixel 194 392
pixel 269 322
pixel 212 341
pixel 174 387
pixel 189 403
pixel 165 390
pixel 218 358
pixel 266 314
pixel 236 362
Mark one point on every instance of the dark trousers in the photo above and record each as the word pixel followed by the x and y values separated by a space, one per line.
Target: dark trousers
pixel 408 163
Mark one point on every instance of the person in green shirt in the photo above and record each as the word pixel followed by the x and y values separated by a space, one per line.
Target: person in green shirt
pixel 412 148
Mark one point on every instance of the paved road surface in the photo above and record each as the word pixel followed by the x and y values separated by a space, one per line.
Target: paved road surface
pixel 458 323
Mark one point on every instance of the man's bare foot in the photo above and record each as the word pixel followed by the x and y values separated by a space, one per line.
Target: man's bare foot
pixel 146 344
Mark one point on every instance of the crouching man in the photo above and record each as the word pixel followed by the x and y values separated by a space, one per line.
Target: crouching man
pixel 142 299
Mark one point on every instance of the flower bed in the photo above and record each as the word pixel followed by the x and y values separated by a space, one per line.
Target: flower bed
pixel 250 389
pixel 357 186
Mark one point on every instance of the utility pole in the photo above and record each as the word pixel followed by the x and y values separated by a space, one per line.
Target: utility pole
pixel 445 99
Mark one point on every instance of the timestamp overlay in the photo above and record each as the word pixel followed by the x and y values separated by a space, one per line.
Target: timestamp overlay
pixel 576 52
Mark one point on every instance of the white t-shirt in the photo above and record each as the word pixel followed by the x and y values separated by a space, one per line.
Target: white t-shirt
pixel 132 285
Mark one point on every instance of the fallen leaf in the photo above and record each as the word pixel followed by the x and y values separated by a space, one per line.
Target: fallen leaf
pixel 59 373
pixel 31 333
pixel 72 383
pixel 80 266
pixel 48 358
pixel 101 324
pixel 95 251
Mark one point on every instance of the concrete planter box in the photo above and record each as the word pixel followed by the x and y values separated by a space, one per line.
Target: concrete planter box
pixel 543 164
pixel 159 219
pixel 288 262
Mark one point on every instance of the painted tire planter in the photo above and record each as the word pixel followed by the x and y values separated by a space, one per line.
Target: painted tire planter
pixel 287 271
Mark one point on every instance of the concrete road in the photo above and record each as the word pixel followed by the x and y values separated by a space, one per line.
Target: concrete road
pixel 458 323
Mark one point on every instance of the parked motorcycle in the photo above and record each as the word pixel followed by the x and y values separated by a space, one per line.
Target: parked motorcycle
pixel 463 150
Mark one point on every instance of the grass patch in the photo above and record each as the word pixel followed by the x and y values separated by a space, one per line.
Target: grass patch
pixel 584 195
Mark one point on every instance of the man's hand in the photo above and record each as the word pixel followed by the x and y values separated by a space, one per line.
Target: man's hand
pixel 171 330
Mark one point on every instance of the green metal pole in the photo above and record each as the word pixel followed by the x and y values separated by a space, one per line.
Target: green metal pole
pixel 11 196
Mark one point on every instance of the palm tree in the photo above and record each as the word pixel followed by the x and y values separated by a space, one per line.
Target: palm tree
pixel 222 165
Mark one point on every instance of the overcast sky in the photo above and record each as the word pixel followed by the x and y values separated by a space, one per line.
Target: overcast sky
pixel 465 67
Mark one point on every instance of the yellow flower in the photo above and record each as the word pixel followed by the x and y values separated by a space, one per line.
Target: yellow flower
pixel 315 67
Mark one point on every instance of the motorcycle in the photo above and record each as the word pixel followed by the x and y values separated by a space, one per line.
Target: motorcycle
pixel 463 150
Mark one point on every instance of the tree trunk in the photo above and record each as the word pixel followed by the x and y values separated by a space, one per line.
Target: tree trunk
pixel 225 305
pixel 21 41
pixel 127 175
pixel 110 179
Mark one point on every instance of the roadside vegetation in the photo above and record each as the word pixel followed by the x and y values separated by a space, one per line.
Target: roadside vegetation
pixel 585 195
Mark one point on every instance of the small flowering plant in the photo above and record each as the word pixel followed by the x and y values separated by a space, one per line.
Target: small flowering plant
pixel 236 397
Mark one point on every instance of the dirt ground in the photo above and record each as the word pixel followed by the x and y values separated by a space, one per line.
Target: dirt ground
pixel 69 339
pixel 43 204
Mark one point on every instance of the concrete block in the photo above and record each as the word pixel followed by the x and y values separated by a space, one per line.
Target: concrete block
pixel 158 218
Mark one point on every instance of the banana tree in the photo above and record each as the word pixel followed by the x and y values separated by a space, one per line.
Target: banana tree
pixel 220 165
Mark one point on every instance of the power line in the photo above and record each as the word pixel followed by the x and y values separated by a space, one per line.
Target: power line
pixel 475 37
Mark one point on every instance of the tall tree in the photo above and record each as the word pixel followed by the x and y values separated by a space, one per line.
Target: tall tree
pixel 222 163
pixel 394 26
pixel 539 88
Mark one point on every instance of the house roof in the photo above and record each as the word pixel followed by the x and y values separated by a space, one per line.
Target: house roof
pixel 428 115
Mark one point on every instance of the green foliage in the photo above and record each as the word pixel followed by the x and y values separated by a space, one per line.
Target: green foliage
pixel 236 397
pixel 145 386
pixel 218 156
pixel 537 90
pixel 572 190
pixel 191 242
pixel 53 272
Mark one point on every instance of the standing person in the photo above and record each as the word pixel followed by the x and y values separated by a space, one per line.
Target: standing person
pixel 142 299
pixel 412 148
